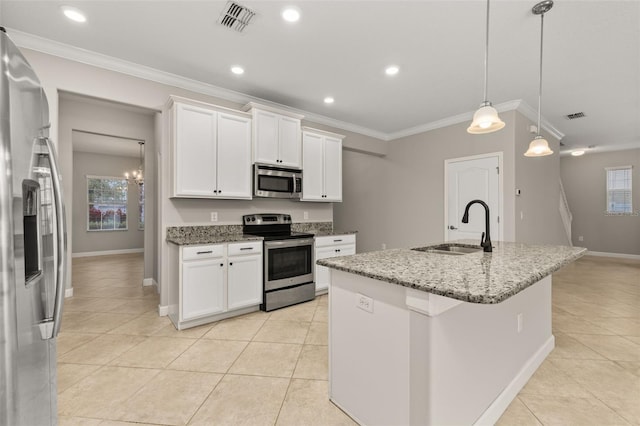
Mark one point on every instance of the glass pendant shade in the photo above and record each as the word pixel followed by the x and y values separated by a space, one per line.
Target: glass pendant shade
pixel 539 147
pixel 485 120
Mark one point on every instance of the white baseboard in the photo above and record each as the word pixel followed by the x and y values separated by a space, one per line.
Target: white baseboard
pixel 68 292
pixel 149 282
pixel 163 311
pixel 619 255
pixel 107 252
pixel 500 404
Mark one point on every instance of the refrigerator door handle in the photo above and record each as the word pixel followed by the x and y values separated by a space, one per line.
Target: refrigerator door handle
pixel 50 329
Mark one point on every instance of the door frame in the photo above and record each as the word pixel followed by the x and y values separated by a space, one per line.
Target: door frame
pixel 449 161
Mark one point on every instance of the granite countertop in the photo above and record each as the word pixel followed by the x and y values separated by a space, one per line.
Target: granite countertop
pixel 212 239
pixel 327 233
pixel 476 277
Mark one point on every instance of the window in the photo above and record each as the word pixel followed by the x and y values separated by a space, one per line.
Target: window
pixel 107 203
pixel 619 190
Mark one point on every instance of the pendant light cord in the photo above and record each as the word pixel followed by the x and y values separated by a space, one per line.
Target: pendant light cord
pixel 540 84
pixel 486 58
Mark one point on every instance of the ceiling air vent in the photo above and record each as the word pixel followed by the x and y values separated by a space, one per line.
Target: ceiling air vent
pixel 575 115
pixel 236 16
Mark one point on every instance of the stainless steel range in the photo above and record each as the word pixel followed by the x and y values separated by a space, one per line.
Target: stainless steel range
pixel 288 260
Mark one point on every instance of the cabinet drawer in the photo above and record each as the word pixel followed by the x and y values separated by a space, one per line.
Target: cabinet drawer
pixel 202 252
pixel 335 240
pixel 252 247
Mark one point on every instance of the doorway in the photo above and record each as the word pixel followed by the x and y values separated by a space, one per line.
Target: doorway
pixel 473 178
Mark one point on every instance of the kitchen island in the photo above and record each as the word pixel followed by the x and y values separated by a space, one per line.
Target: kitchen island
pixel 428 338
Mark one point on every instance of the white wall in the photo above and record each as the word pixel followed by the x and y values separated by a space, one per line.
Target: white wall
pixel 84 241
pixel 584 181
pixel 537 213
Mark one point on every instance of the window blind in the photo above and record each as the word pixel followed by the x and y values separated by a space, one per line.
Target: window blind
pixel 619 190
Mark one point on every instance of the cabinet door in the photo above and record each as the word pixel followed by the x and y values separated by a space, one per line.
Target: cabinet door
pixel 234 156
pixel 202 288
pixel 332 169
pixel 265 138
pixel 290 145
pixel 244 282
pixel 312 168
pixel 322 272
pixel 194 151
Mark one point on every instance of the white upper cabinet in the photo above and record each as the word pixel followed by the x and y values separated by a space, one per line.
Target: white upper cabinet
pixel 321 166
pixel 195 150
pixel 211 148
pixel 276 136
pixel 234 156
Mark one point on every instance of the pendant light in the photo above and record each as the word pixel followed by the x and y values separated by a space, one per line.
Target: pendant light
pixel 539 147
pixel 486 119
pixel 136 177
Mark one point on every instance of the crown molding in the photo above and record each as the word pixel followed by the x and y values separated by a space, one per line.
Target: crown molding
pixel 532 114
pixel 65 51
pixel 603 148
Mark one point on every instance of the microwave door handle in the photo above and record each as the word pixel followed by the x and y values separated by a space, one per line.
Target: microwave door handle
pixel 61 250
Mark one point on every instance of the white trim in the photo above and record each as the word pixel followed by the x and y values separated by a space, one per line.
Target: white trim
pixel 500 156
pixel 148 282
pixel 107 252
pixel 321 132
pixel 68 292
pixel 518 105
pixel 500 404
pixel 66 51
pixel 163 310
pixel 618 255
pixel 50 47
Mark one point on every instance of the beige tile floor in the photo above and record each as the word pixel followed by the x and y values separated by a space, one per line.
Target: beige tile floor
pixel 121 364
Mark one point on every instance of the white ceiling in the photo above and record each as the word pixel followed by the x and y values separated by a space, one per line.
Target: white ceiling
pixel 340 48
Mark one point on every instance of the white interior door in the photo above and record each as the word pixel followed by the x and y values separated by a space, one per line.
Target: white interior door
pixel 476 178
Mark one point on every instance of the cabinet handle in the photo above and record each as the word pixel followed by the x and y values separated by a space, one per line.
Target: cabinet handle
pixel 222 264
pixel 246 248
pixel 337 241
pixel 205 252
pixel 230 263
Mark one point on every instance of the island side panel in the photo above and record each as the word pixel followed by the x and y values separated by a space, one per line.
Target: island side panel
pixel 368 351
pixel 478 357
pixel 398 366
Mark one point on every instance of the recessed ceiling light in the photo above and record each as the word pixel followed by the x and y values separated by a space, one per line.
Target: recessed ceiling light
pixel 577 153
pixel 237 70
pixel 73 14
pixel 391 70
pixel 329 100
pixel 291 14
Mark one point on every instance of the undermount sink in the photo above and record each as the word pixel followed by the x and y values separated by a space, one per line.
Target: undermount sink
pixel 452 249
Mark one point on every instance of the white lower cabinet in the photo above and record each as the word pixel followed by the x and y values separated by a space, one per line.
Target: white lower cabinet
pixel 244 280
pixel 331 246
pixel 212 282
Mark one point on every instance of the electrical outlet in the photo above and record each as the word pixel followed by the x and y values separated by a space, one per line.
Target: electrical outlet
pixel 520 322
pixel 580 238
pixel 363 302
pixel 305 215
pixel 384 246
pixel 214 216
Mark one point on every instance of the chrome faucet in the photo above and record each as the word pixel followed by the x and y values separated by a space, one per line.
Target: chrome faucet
pixel 484 242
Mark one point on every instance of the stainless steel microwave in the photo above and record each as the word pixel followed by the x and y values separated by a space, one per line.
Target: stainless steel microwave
pixel 276 182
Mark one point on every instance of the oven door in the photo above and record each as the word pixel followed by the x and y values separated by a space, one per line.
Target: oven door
pixel 288 263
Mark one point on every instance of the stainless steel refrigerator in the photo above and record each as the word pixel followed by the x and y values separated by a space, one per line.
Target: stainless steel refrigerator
pixel 32 247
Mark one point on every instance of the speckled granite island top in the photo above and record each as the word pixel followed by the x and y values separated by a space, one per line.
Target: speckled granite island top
pixel 475 277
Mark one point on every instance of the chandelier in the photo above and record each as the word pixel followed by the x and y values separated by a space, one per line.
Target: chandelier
pixel 136 177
